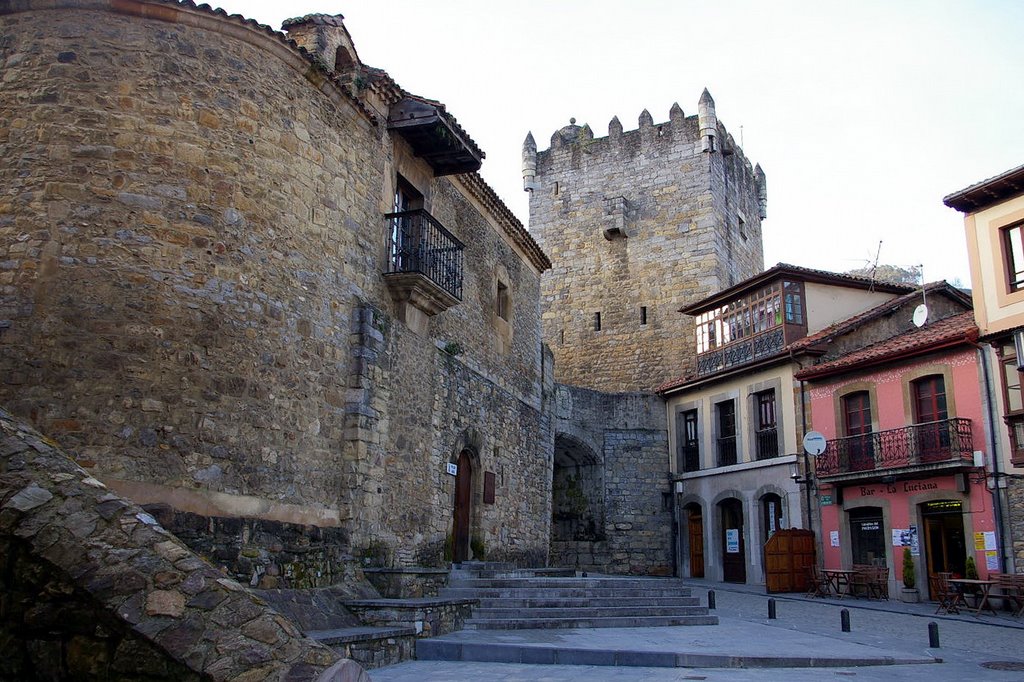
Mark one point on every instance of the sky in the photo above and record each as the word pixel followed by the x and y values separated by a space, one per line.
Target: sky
pixel 862 114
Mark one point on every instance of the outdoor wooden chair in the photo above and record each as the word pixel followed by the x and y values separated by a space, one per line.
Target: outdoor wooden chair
pixel 860 583
pixel 817 583
pixel 879 584
pixel 1012 588
pixel 950 599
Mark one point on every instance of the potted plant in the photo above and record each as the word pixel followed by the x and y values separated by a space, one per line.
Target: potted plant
pixel 909 593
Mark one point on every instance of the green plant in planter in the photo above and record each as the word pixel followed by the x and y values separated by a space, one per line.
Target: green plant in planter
pixel 909 576
pixel 476 544
pixel 971 569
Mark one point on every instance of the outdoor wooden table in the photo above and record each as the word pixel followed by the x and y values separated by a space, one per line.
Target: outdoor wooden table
pixel 840 580
pixel 985 586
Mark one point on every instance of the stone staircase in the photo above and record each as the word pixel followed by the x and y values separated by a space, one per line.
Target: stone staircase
pixel 512 599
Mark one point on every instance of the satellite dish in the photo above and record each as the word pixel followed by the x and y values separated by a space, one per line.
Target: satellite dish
pixel 920 315
pixel 814 443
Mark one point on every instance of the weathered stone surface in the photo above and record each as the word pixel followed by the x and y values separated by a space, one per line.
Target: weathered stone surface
pixel 637 225
pixel 92 603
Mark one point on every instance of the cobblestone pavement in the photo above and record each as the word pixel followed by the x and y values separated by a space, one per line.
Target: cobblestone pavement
pixel 967 642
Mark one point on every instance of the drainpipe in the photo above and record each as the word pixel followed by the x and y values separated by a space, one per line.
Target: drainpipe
pixel 807 463
pixel 997 498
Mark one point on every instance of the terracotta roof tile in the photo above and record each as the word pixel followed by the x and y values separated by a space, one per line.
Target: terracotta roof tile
pixel 949 331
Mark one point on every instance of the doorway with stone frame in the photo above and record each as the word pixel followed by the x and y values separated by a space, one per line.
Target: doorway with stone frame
pixel 462 512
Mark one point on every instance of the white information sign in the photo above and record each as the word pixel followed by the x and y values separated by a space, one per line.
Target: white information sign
pixel 992 560
pixel 732 540
pixel 833 536
pixel 453 469
pixel 990 540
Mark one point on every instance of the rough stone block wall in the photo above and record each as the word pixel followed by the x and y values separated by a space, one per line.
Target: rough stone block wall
pixel 628 435
pixel 1015 497
pixel 93 588
pixel 674 213
pixel 430 404
pixel 191 235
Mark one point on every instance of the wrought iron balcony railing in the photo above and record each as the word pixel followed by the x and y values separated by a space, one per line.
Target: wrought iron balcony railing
pixel 940 442
pixel 726 451
pixel 767 442
pixel 417 243
pixel 741 352
pixel 689 457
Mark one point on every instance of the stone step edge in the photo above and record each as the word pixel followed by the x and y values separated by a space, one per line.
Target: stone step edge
pixel 440 650
pixel 358 634
pixel 485 613
pixel 537 623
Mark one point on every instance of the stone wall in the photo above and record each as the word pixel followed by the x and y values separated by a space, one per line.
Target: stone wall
pixel 625 437
pixel 638 224
pixel 93 588
pixel 192 244
pixel 1015 520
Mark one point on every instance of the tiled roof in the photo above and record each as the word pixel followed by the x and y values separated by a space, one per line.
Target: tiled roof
pixel 850 323
pixel 950 331
pixel 987 192
pixel 795 271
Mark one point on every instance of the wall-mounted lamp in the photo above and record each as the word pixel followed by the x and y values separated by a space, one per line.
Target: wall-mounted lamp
pixel 794 473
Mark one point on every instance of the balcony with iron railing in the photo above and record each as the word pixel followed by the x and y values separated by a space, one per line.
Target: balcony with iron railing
pixel 741 352
pixel 726 451
pixel 944 444
pixel 689 457
pixel 425 262
pixel 767 443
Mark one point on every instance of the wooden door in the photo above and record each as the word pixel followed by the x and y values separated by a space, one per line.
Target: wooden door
pixel 945 546
pixel 787 556
pixel 463 504
pixel 695 536
pixel 734 555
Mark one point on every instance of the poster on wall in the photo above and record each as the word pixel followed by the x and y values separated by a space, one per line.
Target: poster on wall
pixel 915 546
pixel 901 537
pixel 990 540
pixel 992 560
pixel 833 536
pixel 732 540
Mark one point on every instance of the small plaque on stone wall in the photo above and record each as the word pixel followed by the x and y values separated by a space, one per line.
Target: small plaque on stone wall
pixel 488 487
pixel 453 469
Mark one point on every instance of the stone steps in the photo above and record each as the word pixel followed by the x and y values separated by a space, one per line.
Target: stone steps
pixel 588 611
pixel 522 601
pixel 587 622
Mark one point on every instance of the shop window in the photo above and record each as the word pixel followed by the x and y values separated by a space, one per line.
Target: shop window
pixel 867 535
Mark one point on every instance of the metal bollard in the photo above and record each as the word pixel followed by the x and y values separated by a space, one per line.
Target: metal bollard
pixel 771 609
pixel 844 618
pixel 933 635
pixel 711 600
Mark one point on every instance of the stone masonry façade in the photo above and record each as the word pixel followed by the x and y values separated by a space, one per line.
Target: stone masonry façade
pixel 93 588
pixel 638 219
pixel 619 442
pixel 192 244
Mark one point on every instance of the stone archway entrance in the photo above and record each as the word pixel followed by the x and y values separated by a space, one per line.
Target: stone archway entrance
pixel 577 503
pixel 463 512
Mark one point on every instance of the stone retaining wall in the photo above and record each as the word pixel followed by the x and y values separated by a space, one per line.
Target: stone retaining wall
pixel 93 588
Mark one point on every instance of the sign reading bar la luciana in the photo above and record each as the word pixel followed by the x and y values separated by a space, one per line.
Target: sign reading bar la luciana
pixel 892 488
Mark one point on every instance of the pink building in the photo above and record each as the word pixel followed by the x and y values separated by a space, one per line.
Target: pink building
pixel 906 435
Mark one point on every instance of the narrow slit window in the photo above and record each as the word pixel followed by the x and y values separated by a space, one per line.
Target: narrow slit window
pixel 597 322
pixel 643 314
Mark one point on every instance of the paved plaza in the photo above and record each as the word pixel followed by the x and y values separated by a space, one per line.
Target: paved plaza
pixel 888 641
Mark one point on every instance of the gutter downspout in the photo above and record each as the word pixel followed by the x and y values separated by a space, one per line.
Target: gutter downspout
pixel 997 498
pixel 807 464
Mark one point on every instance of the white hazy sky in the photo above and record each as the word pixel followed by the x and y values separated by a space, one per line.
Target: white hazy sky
pixel 863 114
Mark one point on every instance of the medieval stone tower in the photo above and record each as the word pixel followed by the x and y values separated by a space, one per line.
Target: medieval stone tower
pixel 638 224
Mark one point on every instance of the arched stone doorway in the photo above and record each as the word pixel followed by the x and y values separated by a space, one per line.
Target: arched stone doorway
pixel 734 555
pixel 577 504
pixel 463 511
